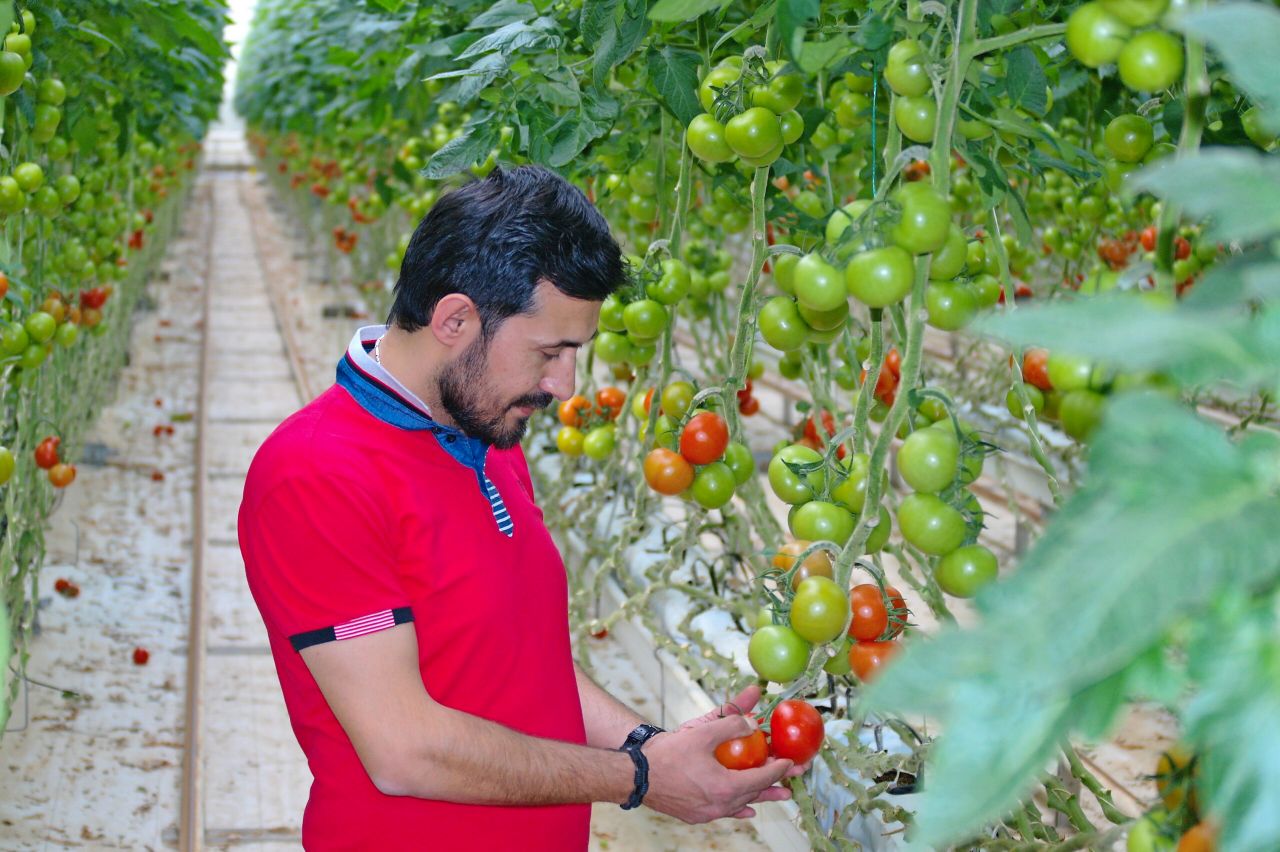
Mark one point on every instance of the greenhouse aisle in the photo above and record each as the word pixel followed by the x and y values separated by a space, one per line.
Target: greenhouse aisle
pixel 96 751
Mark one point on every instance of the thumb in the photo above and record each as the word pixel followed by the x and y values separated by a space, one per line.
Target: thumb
pixel 727 728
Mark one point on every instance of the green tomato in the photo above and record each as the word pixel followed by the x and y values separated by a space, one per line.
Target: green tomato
pixel 1095 36
pixel 739 459
pixel 781 325
pixel 965 570
pixel 778 653
pixel 68 188
pixel 1254 128
pixel 706 140
pixel 1136 13
pixel 880 532
pixel 645 319
pixel 1080 412
pixel 780 95
pixel 677 397
pixel 713 485
pixel 838 664
pixel 13 71
pixel 643 177
pixel 818 284
pixel 611 314
pixel 924 221
pixel 986 289
pixel 1151 61
pixel 674 284
pixel 754 134
pixel 1014 404
pixel 599 443
pixel 818 520
pixel 1128 137
pixel 14 339
pixel 951 304
pixel 717 78
pixel 844 217
pixel 905 70
pixel 929 459
pixel 33 356
pixel 819 610
pixel 784 267
pixel 792 126
pixel 949 261
pixel 851 490
pixel 40 326
pixel 789 486
pixel 612 348
pixel 1068 373
pixel 880 277
pixel 29 176
pixel 916 117
pixel 930 524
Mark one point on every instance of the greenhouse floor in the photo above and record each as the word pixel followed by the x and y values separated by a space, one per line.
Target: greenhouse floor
pixel 94 757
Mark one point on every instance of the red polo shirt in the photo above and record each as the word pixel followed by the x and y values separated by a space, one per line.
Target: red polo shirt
pixel 350 525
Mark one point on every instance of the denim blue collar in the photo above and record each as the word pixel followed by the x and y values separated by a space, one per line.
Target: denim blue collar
pixel 382 395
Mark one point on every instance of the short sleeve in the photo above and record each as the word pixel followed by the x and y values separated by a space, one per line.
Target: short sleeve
pixel 320 558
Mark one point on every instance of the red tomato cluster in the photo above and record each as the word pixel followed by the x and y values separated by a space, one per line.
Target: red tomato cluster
pixel 748 405
pixel 890 377
pixel 877 618
pixel 66 588
pixel 344 240
pixel 796 732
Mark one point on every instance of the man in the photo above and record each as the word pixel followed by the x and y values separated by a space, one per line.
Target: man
pixel 416 605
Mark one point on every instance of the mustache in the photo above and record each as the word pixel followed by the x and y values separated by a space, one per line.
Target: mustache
pixel 537 400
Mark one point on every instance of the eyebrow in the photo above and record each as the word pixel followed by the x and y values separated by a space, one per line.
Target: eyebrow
pixel 574 343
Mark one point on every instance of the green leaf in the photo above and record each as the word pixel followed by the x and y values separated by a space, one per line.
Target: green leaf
pixel 816 55
pixel 462 152
pixel 597 19
pixel 501 14
pixel 1025 81
pixel 792 17
pixel 1245 201
pixel 516 35
pixel 674 73
pixel 1234 719
pixel 1171 512
pixel 619 41
pixel 1244 36
pixel 683 10
pixel 392 6
pixel 1129 333
pixel 485 70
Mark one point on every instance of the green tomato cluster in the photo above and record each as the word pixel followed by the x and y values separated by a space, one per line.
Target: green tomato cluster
pixel 1101 32
pixel 755 134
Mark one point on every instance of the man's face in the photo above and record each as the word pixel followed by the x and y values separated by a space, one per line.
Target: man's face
pixel 491 393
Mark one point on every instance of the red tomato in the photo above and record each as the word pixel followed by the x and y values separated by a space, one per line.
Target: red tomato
pixel 61 475
pixel 748 406
pixel 894 362
pixel 867 658
pixel 1035 370
pixel 1181 248
pixel 705 438
pixel 870 618
pixel 743 752
pixel 609 402
pixel 897 610
pixel 1148 238
pixel 47 452
pixel 140 656
pixel 795 731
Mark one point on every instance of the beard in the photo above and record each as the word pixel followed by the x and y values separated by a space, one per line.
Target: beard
pixel 461 388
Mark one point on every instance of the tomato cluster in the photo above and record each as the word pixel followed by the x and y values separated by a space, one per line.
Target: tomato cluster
pixel 697 458
pixel 589 430
pixel 750 113
pixel 796 733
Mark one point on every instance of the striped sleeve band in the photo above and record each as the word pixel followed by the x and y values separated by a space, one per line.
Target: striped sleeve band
pixel 362 626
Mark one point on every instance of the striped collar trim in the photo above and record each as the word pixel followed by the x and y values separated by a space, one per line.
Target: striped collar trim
pixel 360 355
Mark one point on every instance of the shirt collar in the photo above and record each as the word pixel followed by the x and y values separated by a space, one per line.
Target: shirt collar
pixel 360 352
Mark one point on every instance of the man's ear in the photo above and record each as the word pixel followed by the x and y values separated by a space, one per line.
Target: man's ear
pixel 455 321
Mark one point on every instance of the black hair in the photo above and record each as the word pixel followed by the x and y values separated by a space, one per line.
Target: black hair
pixel 493 240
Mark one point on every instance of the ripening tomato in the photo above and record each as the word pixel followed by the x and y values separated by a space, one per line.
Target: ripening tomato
pixel 705 438
pixel 866 659
pixel 795 731
pixel 61 474
pixel 676 398
pixel 778 653
pixel 609 402
pixel 574 411
pixel 744 752
pixel 667 472
pixel 569 440
pixel 816 564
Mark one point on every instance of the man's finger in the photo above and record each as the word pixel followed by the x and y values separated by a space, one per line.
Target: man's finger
pixel 727 728
pixel 773 794
pixel 745 813
pixel 745 701
pixel 764 776
pixel 798 769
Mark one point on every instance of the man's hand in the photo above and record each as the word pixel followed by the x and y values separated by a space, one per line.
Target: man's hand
pixel 687 782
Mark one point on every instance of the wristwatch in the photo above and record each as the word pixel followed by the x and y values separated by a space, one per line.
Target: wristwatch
pixel 637 738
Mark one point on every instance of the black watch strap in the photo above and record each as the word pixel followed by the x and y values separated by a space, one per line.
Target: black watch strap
pixel 637 738
pixel 642 778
